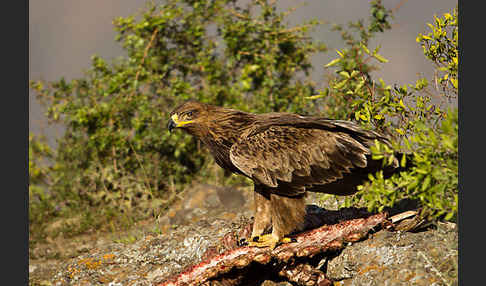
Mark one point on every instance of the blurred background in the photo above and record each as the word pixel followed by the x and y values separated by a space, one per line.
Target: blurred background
pixel 63 35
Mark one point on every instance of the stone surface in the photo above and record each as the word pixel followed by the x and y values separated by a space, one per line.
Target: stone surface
pixel 195 226
pixel 399 258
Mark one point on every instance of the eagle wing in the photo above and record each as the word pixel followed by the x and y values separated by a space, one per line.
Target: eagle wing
pixel 302 153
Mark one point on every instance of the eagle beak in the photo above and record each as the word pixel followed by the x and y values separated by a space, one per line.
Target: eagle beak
pixel 174 122
pixel 171 125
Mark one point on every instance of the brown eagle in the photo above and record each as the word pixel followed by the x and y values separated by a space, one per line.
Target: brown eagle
pixel 285 155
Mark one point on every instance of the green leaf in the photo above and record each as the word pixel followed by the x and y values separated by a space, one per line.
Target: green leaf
pixel 333 63
pixel 344 74
pixel 340 84
pixel 254 68
pixel 380 58
pixel 413 185
pixel 402 104
pixel 365 48
pixel 359 86
pixel 403 161
pixel 455 83
pixel 420 170
pixel 449 216
pixel 377 157
pixel 354 73
pixel 317 96
pixel 400 131
pixel 425 183
pixel 421 83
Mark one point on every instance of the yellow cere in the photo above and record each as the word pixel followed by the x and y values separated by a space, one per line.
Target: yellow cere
pixel 178 123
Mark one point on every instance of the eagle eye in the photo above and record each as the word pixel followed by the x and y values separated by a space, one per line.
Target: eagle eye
pixel 189 114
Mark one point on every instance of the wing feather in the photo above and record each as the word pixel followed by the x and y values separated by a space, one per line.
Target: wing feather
pixel 289 158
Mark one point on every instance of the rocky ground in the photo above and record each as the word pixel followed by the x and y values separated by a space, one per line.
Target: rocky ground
pixel 155 250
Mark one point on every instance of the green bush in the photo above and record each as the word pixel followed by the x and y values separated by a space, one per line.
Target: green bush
pixel 117 156
pixel 117 162
pixel 433 179
pixel 40 201
pixel 408 114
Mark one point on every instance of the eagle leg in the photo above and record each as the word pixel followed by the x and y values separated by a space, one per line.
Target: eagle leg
pixel 287 215
pixel 263 216
pixel 262 221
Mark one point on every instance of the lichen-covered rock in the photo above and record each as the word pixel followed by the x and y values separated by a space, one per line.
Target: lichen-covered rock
pixel 148 260
pixel 186 237
pixel 294 260
pixel 399 258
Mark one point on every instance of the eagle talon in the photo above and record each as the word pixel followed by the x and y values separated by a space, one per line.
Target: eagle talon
pixel 242 242
pixel 269 240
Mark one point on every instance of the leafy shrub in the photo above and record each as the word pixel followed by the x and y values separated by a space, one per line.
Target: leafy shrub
pixel 433 179
pixel 117 162
pixel 40 202
pixel 117 156
pixel 409 115
pixel 440 46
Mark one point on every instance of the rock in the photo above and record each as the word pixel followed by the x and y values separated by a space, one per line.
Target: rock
pixel 197 226
pixel 394 258
pixel 203 200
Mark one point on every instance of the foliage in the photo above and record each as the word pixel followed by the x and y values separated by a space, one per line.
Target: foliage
pixel 440 46
pixel 349 89
pixel 409 115
pixel 433 179
pixel 117 156
pixel 39 178
pixel 117 162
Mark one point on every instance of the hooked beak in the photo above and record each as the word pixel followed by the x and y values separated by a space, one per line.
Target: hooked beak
pixel 174 122
pixel 171 125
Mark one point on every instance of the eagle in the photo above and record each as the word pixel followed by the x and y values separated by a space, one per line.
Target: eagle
pixel 286 155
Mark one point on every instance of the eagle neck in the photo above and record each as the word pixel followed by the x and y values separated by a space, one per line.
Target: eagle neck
pixel 224 128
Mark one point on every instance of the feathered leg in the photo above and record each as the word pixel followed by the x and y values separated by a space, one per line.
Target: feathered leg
pixel 287 215
pixel 262 213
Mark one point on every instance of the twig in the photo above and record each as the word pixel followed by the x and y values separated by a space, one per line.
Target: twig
pixel 290 30
pixel 114 159
pixel 399 5
pixel 102 176
pixel 141 166
pixel 433 268
pixel 241 16
pixel 402 216
pixel 145 53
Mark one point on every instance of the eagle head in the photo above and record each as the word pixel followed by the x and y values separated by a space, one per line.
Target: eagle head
pixel 188 116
